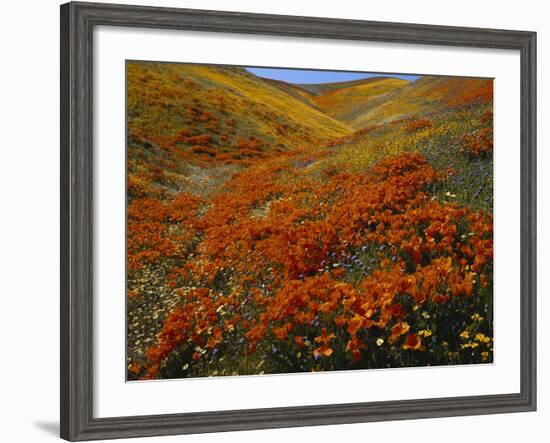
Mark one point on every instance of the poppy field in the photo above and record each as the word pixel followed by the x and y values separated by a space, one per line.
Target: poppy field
pixel 275 227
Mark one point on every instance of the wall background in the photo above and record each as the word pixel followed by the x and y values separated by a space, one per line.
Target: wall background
pixel 29 188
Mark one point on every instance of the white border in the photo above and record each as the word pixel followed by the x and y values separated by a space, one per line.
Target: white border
pixel 114 397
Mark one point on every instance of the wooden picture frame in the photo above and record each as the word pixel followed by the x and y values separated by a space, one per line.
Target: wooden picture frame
pixel 77 23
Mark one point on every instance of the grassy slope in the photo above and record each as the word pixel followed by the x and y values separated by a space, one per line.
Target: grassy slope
pixel 297 91
pixel 324 88
pixel 425 96
pixel 377 100
pixel 183 116
pixel 384 111
pixel 346 101
pixel 441 144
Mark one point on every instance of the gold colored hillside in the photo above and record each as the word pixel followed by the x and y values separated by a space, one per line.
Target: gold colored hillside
pixel 163 98
pixel 377 100
pixel 425 96
pixel 194 124
pixel 347 103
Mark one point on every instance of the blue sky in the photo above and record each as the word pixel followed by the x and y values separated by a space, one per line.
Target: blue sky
pixel 300 76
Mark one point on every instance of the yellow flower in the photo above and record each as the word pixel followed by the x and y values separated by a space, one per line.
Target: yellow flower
pixel 482 338
pixel 464 335
pixel 425 333
pixel 471 344
pixel 380 341
pixel 476 317
pixel 485 356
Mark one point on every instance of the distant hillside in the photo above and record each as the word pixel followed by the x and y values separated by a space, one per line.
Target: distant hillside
pixel 323 88
pixel 348 100
pixel 297 91
pixel 367 102
pixel 425 96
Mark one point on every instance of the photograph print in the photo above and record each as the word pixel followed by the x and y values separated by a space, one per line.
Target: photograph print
pixel 282 220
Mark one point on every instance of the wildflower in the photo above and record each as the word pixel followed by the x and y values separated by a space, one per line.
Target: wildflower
pixel 413 342
pixel 477 317
pixel 282 332
pixel 295 255
pixel 324 350
pixel 340 321
pixel 398 330
pixel 354 324
pixel 299 341
pixel 482 338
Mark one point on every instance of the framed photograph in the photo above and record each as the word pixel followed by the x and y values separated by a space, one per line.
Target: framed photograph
pixel 273 221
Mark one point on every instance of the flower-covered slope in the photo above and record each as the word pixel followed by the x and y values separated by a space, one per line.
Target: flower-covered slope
pixel 346 250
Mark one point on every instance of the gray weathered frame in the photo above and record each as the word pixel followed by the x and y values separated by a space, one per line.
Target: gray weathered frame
pixel 77 23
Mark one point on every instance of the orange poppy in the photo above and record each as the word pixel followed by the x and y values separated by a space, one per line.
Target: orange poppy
pixel 413 342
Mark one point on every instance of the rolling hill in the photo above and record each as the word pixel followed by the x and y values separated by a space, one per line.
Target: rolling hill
pixel 297 91
pixel 348 101
pixel 378 100
pixel 435 116
pixel 427 95
pixel 209 115
pixel 194 124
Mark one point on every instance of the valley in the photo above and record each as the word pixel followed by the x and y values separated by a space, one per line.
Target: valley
pixel 277 227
